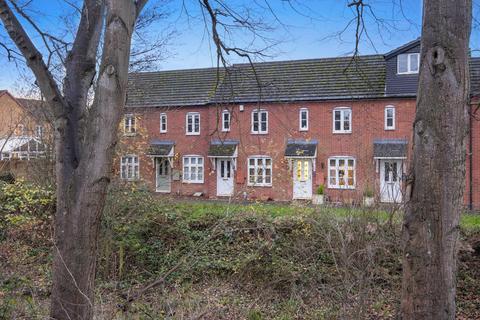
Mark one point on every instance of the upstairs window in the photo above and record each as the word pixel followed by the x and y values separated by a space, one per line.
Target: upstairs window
pixel 129 125
pixel 129 169
pixel 390 118
pixel 39 131
pixel 163 123
pixel 226 120
pixel 193 123
pixel 342 120
pixel 303 119
pixel 259 121
pixel 408 63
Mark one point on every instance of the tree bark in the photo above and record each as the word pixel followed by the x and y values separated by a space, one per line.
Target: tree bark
pixel 85 138
pixel 82 179
pixel 430 230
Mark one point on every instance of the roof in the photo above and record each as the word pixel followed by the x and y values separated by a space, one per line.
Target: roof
pixel 163 148
pixel 403 48
pixel 172 88
pixel 323 79
pixel 313 79
pixel 222 148
pixel 301 148
pixel 390 148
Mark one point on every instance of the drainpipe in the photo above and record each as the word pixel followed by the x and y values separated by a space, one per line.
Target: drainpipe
pixel 470 160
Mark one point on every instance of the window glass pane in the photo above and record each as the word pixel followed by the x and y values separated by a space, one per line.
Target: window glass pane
pixel 414 62
pixel 332 162
pixel 264 116
pixel 252 162
pixel 402 63
pixel 193 160
pixel 268 162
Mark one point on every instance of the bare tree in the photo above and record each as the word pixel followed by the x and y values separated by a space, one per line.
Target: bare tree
pixel 85 137
pixel 439 152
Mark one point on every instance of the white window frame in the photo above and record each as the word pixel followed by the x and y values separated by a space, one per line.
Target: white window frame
pixel 345 177
pixel 342 120
pixel 300 113
pixel 135 167
pixel 409 63
pixel 255 167
pixel 186 178
pixel 39 131
pixel 129 124
pixel 226 113
pixel 259 131
pixel 163 116
pixel 387 127
pixel 193 115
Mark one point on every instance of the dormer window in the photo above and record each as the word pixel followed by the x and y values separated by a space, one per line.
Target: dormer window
pixel 408 63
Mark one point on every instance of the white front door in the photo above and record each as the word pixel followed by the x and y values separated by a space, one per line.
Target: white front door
pixel 164 178
pixel 302 179
pixel 224 177
pixel 390 181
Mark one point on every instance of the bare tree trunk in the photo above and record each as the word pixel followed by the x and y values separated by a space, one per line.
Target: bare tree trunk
pixel 439 152
pixel 82 180
pixel 85 138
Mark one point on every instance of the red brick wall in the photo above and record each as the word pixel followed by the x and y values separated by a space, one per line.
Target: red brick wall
pixel 367 125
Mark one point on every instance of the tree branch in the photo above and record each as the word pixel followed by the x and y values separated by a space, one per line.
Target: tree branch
pixel 33 57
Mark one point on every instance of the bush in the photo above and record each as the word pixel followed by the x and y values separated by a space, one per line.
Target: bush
pixel 321 189
pixel 24 207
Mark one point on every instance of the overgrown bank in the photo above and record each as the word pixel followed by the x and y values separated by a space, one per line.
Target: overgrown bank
pixel 251 261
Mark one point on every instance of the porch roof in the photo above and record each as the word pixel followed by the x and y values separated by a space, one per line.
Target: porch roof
pixel 301 149
pixel 389 148
pixel 161 148
pixel 222 148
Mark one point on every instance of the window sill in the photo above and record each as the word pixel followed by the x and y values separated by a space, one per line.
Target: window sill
pixel 259 185
pixel 192 133
pixel 259 133
pixel 341 132
pixel 303 130
pixel 406 73
pixel 192 182
pixel 389 129
pixel 340 188
pixel 163 132
pixel 129 134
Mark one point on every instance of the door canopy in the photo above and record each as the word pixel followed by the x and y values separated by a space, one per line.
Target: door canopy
pixel 390 149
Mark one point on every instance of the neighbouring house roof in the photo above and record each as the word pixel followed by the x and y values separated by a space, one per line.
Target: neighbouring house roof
pixel 37 108
pixel 21 144
pixel 161 148
pixel 301 148
pixel 172 88
pixel 222 148
pixel 390 148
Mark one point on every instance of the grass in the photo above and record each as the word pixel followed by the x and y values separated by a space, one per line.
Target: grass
pixel 199 210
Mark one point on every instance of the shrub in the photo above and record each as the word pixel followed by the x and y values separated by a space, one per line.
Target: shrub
pixel 321 189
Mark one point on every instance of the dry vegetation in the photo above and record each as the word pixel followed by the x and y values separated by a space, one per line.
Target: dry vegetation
pixel 229 261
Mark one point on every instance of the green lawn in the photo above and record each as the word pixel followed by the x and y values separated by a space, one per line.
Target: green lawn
pixel 197 210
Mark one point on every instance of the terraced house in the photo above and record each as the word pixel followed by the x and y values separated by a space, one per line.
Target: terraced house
pixel 279 130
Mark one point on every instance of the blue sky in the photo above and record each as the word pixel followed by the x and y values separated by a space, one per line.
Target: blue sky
pixel 309 30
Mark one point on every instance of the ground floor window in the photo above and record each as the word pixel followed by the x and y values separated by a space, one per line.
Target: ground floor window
pixel 129 169
pixel 259 171
pixel 193 169
pixel 341 172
